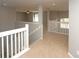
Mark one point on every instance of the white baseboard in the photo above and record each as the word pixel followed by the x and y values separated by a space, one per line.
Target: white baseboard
pixel 21 53
pixel 70 55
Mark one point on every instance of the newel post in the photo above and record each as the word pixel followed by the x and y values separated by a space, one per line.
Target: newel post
pixel 26 36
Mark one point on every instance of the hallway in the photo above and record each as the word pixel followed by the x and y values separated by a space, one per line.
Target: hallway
pixel 52 46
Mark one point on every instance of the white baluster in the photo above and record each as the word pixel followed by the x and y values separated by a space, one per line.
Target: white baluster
pixel 7 46
pixel 21 40
pixel 12 45
pixel 18 42
pixel 2 47
pixel 15 44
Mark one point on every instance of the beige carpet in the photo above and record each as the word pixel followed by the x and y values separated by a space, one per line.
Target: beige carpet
pixel 52 46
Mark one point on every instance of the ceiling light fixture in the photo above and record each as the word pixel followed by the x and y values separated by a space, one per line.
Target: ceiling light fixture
pixel 28 12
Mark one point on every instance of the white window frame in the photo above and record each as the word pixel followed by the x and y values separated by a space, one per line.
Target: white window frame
pixel 64 23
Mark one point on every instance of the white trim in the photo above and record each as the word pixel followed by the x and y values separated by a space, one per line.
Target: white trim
pixel 21 53
pixel 70 55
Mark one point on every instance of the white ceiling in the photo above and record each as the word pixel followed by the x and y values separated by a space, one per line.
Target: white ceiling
pixel 46 4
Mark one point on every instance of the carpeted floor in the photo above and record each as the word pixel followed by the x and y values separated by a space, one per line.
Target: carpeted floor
pixel 52 46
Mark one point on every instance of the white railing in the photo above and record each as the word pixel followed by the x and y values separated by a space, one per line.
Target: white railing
pixel 14 42
pixel 58 27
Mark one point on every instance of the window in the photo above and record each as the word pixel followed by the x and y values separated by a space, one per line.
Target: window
pixel 64 23
pixel 35 17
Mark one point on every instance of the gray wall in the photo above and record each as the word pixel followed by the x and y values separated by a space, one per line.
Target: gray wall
pixel 74 28
pixel 54 15
pixel 34 35
pixel 7 18
pixel 32 26
pixel 22 19
pixel 7 21
pixel 22 16
pixel 29 17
